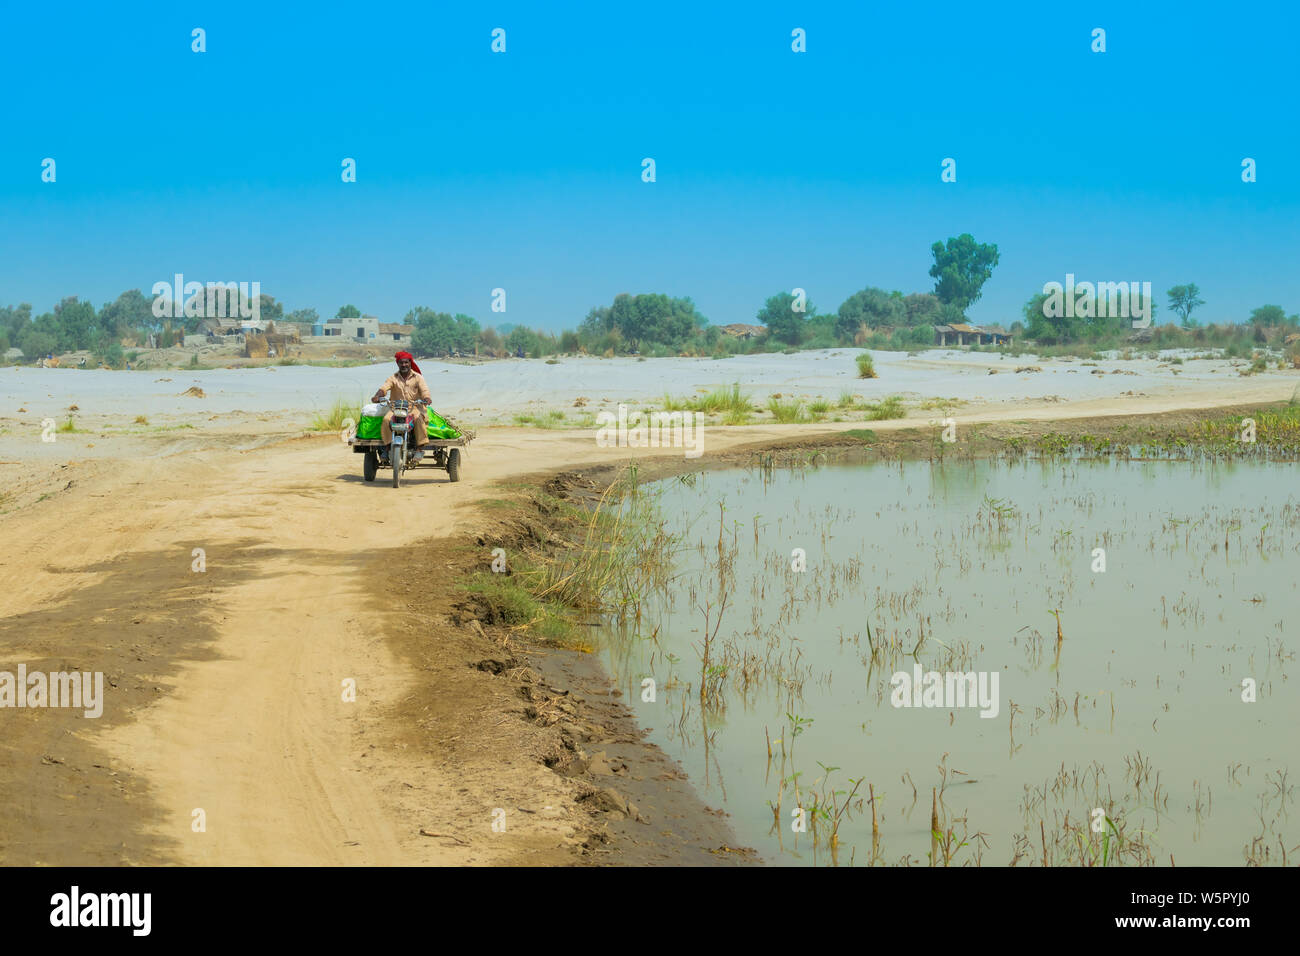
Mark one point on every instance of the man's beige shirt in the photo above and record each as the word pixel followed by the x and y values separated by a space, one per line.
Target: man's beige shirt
pixel 409 389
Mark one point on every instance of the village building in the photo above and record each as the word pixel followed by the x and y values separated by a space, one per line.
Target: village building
pixel 396 332
pixel 964 334
pixel 360 329
pixel 221 327
pixel 739 330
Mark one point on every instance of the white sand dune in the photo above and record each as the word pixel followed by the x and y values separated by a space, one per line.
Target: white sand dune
pixel 497 389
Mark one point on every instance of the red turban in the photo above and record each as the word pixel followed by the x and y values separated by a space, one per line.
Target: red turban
pixel 408 355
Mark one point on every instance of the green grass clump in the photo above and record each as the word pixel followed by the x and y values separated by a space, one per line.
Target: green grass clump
pixel 788 412
pixel 70 426
pixel 862 434
pixel 891 407
pixel 506 600
pixel 866 368
pixel 723 400
pixel 720 400
pixel 847 399
pixel 341 411
pixel 555 418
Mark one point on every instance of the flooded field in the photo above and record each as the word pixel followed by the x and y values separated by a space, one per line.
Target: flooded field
pixel 981 663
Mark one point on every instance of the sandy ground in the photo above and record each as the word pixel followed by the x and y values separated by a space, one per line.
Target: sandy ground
pixel 496 390
pixel 224 686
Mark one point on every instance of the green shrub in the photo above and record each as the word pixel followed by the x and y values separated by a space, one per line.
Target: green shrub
pixel 719 400
pixel 788 412
pixel 891 407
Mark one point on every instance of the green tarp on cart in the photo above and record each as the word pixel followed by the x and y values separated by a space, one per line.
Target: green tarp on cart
pixel 371 427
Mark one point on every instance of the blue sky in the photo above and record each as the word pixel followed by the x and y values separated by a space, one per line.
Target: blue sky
pixel 523 170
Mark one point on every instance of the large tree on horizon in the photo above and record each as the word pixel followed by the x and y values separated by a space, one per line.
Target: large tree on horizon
pixel 961 267
pixel 1183 299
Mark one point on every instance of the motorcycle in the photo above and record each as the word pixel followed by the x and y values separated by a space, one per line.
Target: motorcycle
pixel 401 452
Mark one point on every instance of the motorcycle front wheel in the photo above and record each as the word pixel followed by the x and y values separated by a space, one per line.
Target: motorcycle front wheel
pixel 395 453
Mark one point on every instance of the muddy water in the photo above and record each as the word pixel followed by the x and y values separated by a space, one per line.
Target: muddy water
pixel 1136 726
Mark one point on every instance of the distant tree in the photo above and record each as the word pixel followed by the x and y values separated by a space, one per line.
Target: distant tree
pixel 961 267
pixel 464 333
pixel 109 351
pixel 1044 325
pixel 783 323
pixel 523 338
pixel 130 310
pixel 348 312
pixel 1268 315
pixel 15 320
pixel 76 320
pixel 1183 299
pixel 595 325
pixel 569 342
pixel 269 309
pixel 40 337
pixel 36 344
pixel 950 314
pixel 923 308
pixel 303 316
pixel 872 307
pixel 435 332
pixel 644 321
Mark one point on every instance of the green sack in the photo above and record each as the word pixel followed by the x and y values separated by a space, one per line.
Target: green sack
pixel 371 427
pixel 438 427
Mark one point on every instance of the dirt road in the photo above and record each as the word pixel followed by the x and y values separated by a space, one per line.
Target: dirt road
pixel 225 686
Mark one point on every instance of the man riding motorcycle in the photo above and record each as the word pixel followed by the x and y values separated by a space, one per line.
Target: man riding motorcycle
pixel 407 383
